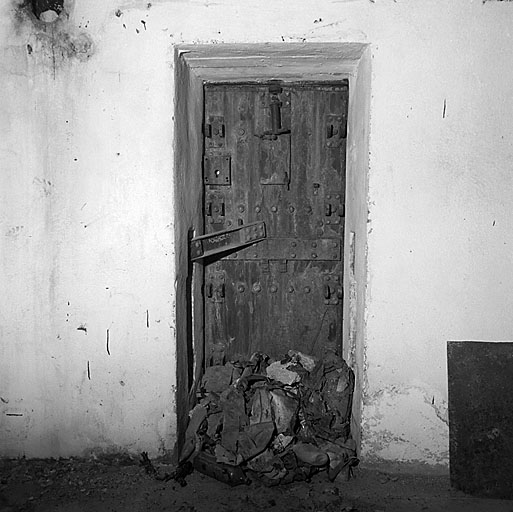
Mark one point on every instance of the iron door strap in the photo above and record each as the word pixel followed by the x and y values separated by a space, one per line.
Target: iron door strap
pixel 319 249
pixel 229 239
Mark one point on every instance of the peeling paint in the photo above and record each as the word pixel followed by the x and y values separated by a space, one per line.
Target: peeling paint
pixel 420 436
pixel 14 231
pixel 441 409
pixel 45 186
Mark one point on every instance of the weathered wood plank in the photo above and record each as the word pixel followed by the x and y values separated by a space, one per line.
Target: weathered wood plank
pixel 294 182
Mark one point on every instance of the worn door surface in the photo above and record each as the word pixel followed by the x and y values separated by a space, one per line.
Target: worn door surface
pixel 274 153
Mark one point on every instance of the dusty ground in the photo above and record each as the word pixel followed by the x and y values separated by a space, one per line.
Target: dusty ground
pixel 121 484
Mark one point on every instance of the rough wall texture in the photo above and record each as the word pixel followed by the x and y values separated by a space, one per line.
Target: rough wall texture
pixel 86 224
pixel 86 209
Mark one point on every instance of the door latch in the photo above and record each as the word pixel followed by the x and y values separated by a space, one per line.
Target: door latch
pixel 332 294
pixel 334 209
pixel 275 105
pixel 215 208
pixel 215 288
pixel 214 131
pixel 336 130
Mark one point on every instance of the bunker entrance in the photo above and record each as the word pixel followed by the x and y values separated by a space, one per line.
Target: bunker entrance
pixel 274 401
pixel 271 168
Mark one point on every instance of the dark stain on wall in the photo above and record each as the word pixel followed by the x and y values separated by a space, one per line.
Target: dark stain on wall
pixel 50 34
pixel 82 327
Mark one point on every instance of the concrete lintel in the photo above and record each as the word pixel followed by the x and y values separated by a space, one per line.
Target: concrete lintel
pixel 293 62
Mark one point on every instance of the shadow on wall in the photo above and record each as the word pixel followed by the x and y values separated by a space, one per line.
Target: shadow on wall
pixel 49 31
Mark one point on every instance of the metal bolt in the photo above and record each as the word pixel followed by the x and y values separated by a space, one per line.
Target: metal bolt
pixel 290 290
pixel 241 208
pixel 240 288
pixel 274 209
pixel 314 255
pixel 242 131
pixel 258 209
pixel 257 288
pixel 306 289
pixel 293 244
pixel 274 288
pixel 291 209
pixel 293 255
pixel 314 244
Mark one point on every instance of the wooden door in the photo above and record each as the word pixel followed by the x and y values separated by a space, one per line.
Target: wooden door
pixel 274 166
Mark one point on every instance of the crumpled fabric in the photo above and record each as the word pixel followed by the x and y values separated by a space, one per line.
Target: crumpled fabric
pixel 280 421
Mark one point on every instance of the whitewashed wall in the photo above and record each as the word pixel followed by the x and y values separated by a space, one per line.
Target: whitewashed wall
pixel 86 210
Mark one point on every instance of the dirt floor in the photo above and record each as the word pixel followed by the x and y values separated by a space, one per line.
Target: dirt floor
pixel 121 484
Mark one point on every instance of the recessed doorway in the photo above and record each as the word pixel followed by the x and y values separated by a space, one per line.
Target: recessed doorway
pixel 270 143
